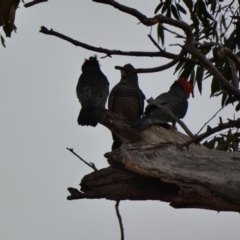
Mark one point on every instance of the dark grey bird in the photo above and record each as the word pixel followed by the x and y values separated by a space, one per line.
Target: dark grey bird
pixel 126 99
pixel 176 100
pixel 92 92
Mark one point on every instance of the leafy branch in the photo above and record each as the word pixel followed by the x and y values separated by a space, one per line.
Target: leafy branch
pixel 221 126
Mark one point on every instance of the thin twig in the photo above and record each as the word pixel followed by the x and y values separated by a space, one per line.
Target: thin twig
pixel 155 69
pixel 172 115
pixel 150 70
pixel 209 121
pixel 119 219
pixel 90 164
pixel 29 4
pixel 155 43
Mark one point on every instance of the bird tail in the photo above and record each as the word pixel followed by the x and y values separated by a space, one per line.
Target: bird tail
pixel 83 117
pixel 143 123
pixel 89 116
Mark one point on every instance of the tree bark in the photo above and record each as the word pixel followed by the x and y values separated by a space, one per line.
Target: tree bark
pixel 150 165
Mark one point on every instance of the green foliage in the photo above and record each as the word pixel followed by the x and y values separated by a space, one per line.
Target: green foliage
pixel 229 141
pixel 2 40
pixel 213 21
pixel 160 33
pixel 215 25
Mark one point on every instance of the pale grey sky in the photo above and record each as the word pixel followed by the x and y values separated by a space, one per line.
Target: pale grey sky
pixel 39 110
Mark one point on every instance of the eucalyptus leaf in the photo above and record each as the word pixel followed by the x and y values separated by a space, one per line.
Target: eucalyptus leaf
pixel 160 32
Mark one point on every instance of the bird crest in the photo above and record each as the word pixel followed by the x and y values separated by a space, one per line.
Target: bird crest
pixel 187 86
pixel 92 60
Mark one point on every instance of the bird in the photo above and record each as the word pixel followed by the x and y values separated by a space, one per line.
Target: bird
pixel 92 91
pixel 176 100
pixel 126 99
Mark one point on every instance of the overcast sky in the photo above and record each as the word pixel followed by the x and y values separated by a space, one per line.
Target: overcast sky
pixel 39 110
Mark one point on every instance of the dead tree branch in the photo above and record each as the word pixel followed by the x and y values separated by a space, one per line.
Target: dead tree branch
pixel 154 168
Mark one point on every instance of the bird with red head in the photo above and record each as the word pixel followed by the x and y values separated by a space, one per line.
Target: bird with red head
pixel 176 100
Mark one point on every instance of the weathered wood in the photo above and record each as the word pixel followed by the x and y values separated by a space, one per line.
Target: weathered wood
pixel 121 184
pixel 150 165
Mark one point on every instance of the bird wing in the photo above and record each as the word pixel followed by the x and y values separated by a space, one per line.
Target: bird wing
pixel 111 98
pixel 141 101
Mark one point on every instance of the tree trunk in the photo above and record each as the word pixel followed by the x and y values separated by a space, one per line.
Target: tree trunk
pixel 151 165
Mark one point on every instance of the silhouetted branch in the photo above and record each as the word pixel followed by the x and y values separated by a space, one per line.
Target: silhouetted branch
pixel 221 126
pixel 150 21
pixel 91 165
pixel 119 219
pixel 141 17
pixel 172 115
pixel 29 4
pixel 155 69
pixel 109 52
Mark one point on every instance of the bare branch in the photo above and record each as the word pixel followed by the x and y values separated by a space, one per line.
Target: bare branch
pixel 172 115
pixel 141 17
pixel 104 50
pixel 210 131
pixel 151 21
pixel 151 70
pixel 155 69
pixel 29 4
pixel 109 52
pixel 91 165
pixel 119 219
